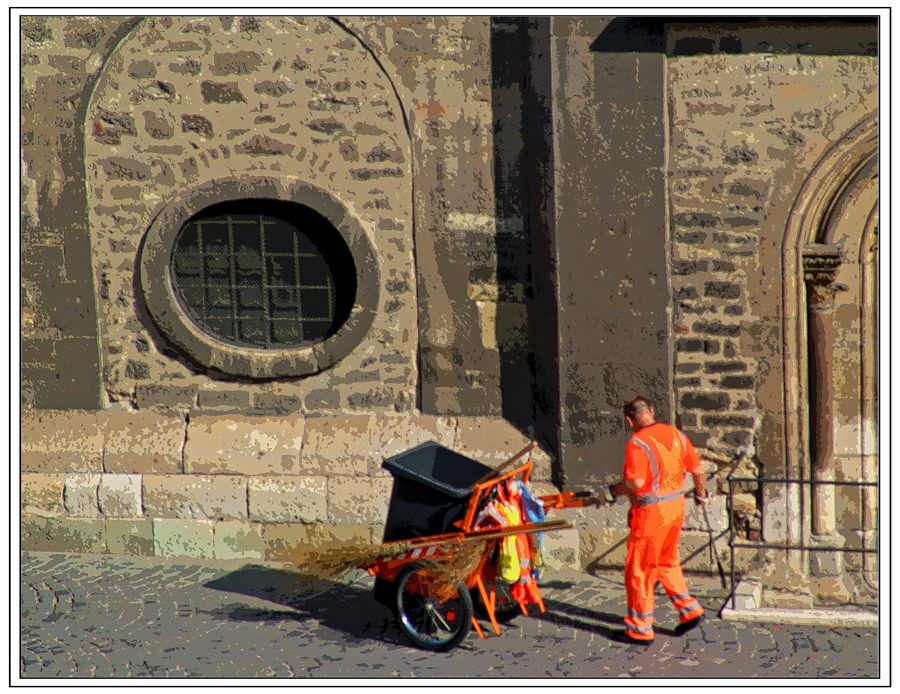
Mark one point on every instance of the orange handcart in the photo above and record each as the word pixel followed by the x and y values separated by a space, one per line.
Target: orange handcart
pixel 436 495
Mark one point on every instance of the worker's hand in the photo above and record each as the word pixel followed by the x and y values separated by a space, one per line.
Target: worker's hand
pixel 606 496
pixel 701 500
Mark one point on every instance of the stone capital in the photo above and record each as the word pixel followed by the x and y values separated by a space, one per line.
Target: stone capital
pixel 820 266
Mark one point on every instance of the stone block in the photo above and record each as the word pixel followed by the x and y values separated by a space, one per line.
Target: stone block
pixel 144 443
pixel 119 496
pixel 832 591
pixel 42 494
pixel 134 537
pixel 165 396
pixel 243 445
pixel 748 595
pixel 238 540
pixel 338 445
pixel 288 499
pixel 80 496
pixel 62 440
pixel 183 538
pixel 224 398
pixel 795 599
pixel 63 535
pixel 281 540
pixel 216 497
pixel 358 500
pixel 744 503
pixel 493 440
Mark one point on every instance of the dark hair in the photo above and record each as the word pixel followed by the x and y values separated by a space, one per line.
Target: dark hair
pixel 635 406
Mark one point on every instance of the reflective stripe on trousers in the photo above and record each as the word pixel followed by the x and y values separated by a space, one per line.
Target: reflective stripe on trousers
pixel 653 556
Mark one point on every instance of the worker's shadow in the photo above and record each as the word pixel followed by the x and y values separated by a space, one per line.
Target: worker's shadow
pixel 587 619
pixel 330 603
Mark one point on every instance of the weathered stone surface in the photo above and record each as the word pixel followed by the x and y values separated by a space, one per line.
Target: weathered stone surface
pixel 192 112
pixel 561 549
pixel 144 442
pixel 238 540
pixel 353 500
pixel 744 503
pixel 42 494
pixel 357 444
pixel 493 440
pixel 158 394
pixel 62 441
pixel 796 599
pixel 602 547
pixel 748 595
pixel 63 535
pixel 214 396
pixel 81 495
pixel 288 499
pixel 183 538
pixel 832 591
pixel 120 496
pixel 715 509
pixel 133 537
pixel 243 445
pixel 195 496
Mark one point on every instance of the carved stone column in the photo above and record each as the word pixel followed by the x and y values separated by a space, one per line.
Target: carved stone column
pixel 820 264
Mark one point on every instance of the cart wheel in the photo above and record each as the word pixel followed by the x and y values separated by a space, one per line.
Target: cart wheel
pixel 434 615
pixel 505 607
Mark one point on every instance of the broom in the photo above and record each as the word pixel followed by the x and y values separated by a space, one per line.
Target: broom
pixel 318 567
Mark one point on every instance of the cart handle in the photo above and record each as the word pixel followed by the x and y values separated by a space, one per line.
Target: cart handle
pixel 530 447
pixel 570 500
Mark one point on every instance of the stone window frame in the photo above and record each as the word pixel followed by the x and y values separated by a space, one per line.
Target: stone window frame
pixel 171 319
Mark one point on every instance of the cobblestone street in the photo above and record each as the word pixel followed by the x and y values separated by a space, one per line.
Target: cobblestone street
pixel 103 616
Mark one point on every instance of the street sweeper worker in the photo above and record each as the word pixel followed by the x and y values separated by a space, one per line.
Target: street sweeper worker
pixel 658 458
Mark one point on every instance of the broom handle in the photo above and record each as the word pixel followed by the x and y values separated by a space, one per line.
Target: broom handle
pixel 530 447
pixel 488 534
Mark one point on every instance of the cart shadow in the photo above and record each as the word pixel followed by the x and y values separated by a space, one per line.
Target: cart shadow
pixel 350 609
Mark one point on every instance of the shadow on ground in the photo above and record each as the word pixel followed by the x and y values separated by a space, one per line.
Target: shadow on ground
pixel 350 609
pixel 587 619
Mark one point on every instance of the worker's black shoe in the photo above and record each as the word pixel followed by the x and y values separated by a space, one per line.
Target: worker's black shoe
pixel 685 627
pixel 623 637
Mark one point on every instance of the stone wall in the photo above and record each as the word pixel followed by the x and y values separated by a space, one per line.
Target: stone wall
pixel 749 119
pixel 60 61
pixel 186 102
pixel 226 486
pixel 470 285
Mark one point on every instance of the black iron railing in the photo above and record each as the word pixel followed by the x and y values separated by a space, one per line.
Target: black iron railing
pixel 802 546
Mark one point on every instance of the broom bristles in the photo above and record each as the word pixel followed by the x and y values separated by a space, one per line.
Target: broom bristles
pixel 329 560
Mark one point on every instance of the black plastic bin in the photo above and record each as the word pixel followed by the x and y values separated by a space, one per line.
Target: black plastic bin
pixel 432 488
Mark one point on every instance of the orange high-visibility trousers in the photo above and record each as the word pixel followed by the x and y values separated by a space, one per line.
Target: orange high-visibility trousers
pixel 653 556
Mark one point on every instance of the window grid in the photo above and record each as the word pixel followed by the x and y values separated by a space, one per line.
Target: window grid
pixel 261 272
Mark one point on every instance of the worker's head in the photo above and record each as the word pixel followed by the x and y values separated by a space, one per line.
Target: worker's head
pixel 639 413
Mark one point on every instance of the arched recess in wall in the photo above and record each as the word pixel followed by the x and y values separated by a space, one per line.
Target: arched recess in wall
pixel 262 107
pixel 827 281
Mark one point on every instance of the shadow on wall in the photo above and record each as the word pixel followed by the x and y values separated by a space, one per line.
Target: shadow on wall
pixel 526 325
pixel 681 37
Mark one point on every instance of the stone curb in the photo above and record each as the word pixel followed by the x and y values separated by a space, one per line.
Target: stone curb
pixel 801 617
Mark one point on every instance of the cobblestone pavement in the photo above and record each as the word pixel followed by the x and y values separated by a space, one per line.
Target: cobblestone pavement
pixel 102 616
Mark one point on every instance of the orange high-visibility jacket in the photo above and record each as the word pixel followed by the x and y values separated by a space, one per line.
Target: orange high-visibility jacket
pixel 662 456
